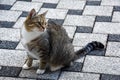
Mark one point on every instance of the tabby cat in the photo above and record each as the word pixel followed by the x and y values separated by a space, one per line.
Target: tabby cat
pixel 49 43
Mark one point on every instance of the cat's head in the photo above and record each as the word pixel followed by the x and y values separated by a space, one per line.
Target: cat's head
pixel 35 22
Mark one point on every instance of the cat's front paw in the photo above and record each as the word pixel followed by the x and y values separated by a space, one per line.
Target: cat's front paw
pixel 25 66
pixel 40 71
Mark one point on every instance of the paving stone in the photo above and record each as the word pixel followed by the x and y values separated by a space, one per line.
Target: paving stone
pixel 20 46
pixel 5 7
pixel 74 12
pixel 47 75
pixel 57 21
pixel 19 22
pixel 79 20
pixel 9 34
pixel 26 6
pixel 114 37
pixel 49 5
pixel 81 59
pixel 82 39
pixel 54 13
pixel 9 15
pixel 46 1
pixel 116 17
pixel 107 27
pixel 116 8
pixel 82 29
pixel 75 67
pixel 110 2
pixel 10 2
pixel 10 71
pixel 93 2
pixel 12 57
pixel 110 77
pixel 99 64
pixel 98 10
pixel 78 76
pixel 113 49
pixel 70 30
pixel 6 24
pixel 73 4
pixel 103 19
pixel 24 14
pixel 8 45
pixel 25 0
pixel 11 78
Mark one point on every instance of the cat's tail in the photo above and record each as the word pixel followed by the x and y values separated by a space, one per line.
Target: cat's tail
pixel 94 45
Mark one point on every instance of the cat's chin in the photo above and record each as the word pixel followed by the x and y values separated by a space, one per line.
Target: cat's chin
pixel 26 67
pixel 39 71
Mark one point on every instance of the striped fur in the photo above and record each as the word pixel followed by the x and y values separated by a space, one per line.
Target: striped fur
pixel 94 45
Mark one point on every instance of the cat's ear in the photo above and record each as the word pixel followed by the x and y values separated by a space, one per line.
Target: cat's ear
pixel 32 13
pixel 44 14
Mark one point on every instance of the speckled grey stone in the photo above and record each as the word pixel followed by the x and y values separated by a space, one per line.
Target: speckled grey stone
pixel 14 78
pixel 103 19
pixel 11 16
pixel 110 77
pixel 116 17
pixel 49 5
pixel 8 2
pixel 47 75
pixel 78 76
pixel 5 7
pixel 57 21
pixel 6 24
pixel 8 45
pixel 110 2
pixel 93 3
pixel 82 39
pixel 116 8
pixel 113 49
pixel 99 64
pixel 114 37
pixel 98 10
pixel 54 13
pixel 76 66
pixel 74 12
pixel 26 6
pixel 10 71
pixel 82 29
pixel 77 20
pixel 107 27
pixel 12 57
pixel 24 14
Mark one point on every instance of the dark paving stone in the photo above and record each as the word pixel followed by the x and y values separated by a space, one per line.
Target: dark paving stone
pixel 8 44
pixel 110 77
pixel 57 21
pixel 97 52
pixel 5 7
pixel 93 3
pixel 116 8
pixel 77 67
pixel 49 75
pixel 49 5
pixel 5 24
pixel 24 14
pixel 114 37
pixel 81 29
pixel 75 12
pixel 24 0
pixel 103 19
pixel 10 71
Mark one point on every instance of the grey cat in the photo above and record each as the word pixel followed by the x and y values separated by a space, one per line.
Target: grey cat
pixel 51 46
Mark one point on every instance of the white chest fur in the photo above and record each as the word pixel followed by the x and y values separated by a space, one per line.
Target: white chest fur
pixel 27 37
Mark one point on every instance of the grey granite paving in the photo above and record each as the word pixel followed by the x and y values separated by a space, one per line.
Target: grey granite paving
pixel 84 21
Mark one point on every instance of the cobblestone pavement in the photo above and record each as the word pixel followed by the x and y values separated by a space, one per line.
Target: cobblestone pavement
pixel 84 20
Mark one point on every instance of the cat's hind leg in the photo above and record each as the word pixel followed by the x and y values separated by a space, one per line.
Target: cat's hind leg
pixel 42 67
pixel 28 63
